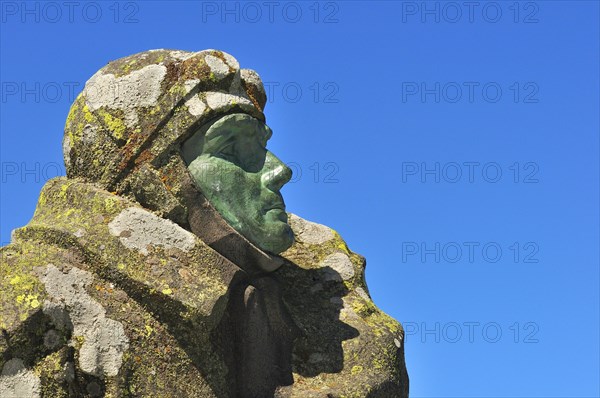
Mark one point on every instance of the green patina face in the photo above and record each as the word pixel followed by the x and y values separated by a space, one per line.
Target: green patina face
pixel 242 179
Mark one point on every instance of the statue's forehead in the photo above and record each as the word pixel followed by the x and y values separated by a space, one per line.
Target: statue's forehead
pixel 239 124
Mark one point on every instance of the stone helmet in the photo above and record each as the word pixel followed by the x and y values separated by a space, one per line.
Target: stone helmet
pixel 125 130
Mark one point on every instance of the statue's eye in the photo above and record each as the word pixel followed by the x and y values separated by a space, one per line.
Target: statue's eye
pixel 227 152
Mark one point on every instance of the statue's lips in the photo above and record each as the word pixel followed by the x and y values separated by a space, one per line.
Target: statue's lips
pixel 275 204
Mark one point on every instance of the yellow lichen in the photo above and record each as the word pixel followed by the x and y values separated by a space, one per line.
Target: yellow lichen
pixel 24 287
pixel 114 124
pixel 42 199
pixel 154 110
pixel 112 205
pixel 72 112
pixel 393 326
pixel 87 115
pixel 63 189
pixel 379 363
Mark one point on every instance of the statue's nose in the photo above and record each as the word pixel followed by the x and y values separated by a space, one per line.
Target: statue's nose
pixel 276 174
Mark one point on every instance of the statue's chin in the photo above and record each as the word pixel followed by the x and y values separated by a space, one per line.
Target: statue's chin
pixel 275 237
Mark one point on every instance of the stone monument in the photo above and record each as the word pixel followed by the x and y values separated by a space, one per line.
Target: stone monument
pixel 165 264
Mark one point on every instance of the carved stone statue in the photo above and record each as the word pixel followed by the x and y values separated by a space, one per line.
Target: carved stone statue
pixel 165 264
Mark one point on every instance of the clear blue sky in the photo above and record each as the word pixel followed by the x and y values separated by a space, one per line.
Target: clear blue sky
pixel 456 148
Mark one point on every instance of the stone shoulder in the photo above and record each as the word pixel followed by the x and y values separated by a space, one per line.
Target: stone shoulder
pixel 347 342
